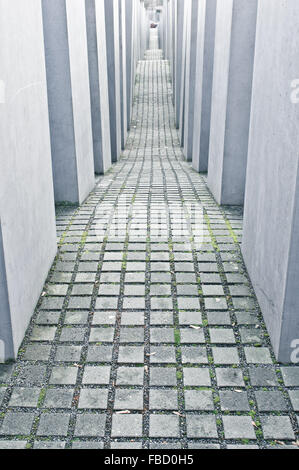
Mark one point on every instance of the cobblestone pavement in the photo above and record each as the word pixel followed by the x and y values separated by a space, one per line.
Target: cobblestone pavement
pixel 148 333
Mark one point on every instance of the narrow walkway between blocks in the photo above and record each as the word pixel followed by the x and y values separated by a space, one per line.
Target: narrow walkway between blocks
pixel 148 334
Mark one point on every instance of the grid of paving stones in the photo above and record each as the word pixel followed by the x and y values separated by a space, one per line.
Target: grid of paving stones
pixel 148 334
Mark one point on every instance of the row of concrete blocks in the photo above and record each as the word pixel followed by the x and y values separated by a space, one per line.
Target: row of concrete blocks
pixel 66 87
pixel 236 100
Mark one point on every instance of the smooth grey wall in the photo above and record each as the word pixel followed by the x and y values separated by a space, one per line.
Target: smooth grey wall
pixel 129 18
pixel 98 78
pixel 231 99
pixel 271 219
pixel 123 73
pixel 186 16
pixel 190 79
pixel 113 59
pixel 27 215
pixel 179 22
pixel 204 83
pixel 69 99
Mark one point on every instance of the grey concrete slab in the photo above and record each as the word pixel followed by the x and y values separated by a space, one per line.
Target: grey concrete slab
pixel 123 72
pixel 190 78
pixel 113 57
pixel 204 84
pixel 231 99
pixel 98 76
pixel 69 98
pixel 187 19
pixel 27 218
pixel 271 223
pixel 179 29
pixel 130 51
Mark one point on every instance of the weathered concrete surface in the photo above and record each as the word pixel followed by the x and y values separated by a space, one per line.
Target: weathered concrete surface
pixel 271 223
pixel 98 77
pixel 123 72
pixel 27 218
pixel 204 84
pixel 130 51
pixel 231 99
pixel 179 30
pixel 113 58
pixel 190 79
pixel 69 98
pixel 186 16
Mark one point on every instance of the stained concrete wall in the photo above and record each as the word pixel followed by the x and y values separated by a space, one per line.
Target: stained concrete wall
pixel 27 216
pixel 190 78
pixel 204 83
pixel 271 219
pixel 231 99
pixel 69 98
pixel 130 51
pixel 113 59
pixel 98 77
pixel 186 15
pixel 179 30
pixel 123 72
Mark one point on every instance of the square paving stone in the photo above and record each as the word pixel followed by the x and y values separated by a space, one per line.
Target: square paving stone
pixel 294 397
pixel 43 333
pixel 128 399
pixel 90 425
pixel 163 376
pixel 132 318
pixel 126 425
pixel 135 277
pixel 110 277
pixel 202 426
pixel 96 375
pixel 164 426
pixel 53 424
pixel 277 427
pixel 184 278
pixel 161 303
pixel 270 401
pixel 188 303
pixel 162 335
pixel 93 399
pixel 99 354
pixel 15 424
pixel 243 303
pixel 187 289
pixel 109 289
pixel 229 377
pixel 192 336
pixel 199 400
pixel 218 303
pixel 82 289
pixel 212 290
pixel 134 303
pixel 87 445
pixel 162 354
pixel 163 399
pixel 219 318
pixel 290 376
pixel 134 290
pixel 31 375
pixel 48 445
pixel 107 303
pixel 160 289
pixel 190 318
pixel 24 397
pixel 52 303
pixel 131 335
pixel 37 352
pixel 64 375
pixel 131 354
pixel 253 336
pixel 2 393
pixel 238 427
pixel 76 318
pixel 104 335
pixel 72 335
pixel 161 278
pixel 104 318
pixel 161 318
pixel 225 355
pixel 257 355
pixel 12 445
pixel 262 377
pixel 130 376
pixel 58 398
pixel 126 445
pixel 68 353
pixel 79 302
pixel 221 335
pixel 234 401
pixel 47 318
pixel 247 318
pixel 196 377
pixel 194 355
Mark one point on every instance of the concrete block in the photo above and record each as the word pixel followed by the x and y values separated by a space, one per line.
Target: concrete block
pixel 190 78
pixel 123 72
pixel 231 99
pixel 130 51
pixel 187 19
pixel 271 219
pixel 113 56
pixel 27 215
pixel 179 30
pixel 98 77
pixel 204 83
pixel 69 98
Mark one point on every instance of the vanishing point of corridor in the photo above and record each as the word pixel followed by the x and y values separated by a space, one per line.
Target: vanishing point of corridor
pixel 147 333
